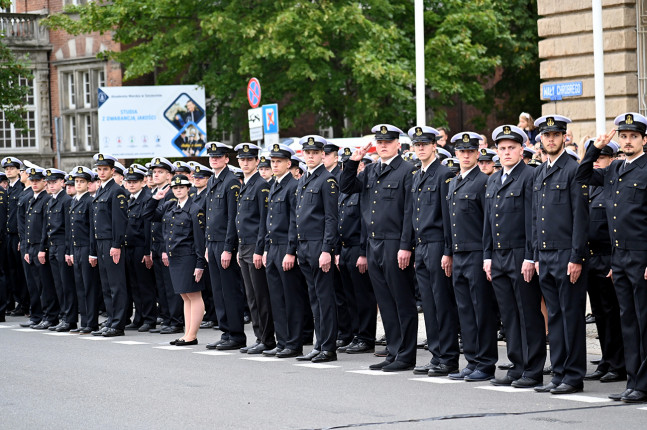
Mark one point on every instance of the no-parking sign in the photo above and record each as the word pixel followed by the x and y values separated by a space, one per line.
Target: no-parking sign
pixel 254 92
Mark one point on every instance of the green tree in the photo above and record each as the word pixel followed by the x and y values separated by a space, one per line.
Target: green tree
pixel 12 95
pixel 351 63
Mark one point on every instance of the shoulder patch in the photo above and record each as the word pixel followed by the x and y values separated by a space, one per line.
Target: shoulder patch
pixel 448 180
pixel 121 196
pixel 233 187
pixel 265 190
pixel 331 180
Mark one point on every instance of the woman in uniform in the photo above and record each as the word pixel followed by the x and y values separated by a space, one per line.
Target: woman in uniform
pixel 184 256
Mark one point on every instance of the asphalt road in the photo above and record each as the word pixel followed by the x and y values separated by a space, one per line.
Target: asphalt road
pixel 138 381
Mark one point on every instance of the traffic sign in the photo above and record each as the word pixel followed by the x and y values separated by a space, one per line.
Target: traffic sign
pixel 254 92
pixel 256 133
pixel 255 117
pixel 271 118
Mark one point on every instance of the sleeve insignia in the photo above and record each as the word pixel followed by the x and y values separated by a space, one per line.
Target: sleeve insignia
pixel 448 180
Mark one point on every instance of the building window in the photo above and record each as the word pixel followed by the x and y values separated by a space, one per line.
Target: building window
pixel 80 117
pixel 71 91
pixel 14 138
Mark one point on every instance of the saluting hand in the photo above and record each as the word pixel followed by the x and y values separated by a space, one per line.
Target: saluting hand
pixel 361 152
pixel 161 193
pixel 604 139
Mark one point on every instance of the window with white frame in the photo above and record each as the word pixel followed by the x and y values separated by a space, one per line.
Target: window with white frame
pixel 15 138
pixel 79 85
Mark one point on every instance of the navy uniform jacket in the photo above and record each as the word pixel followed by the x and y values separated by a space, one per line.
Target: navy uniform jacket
pixel 157 228
pixel 431 218
pixel 466 199
pixel 4 210
pixel 80 211
pixel 561 208
pixel 57 223
pixel 35 220
pixel 138 230
pixel 13 196
pixel 385 198
pixel 626 198
pixel 200 199
pixel 109 216
pixel 23 203
pixel 336 172
pixel 221 202
pixel 280 223
pixel 352 231
pixel 508 212
pixel 599 238
pixel 316 211
pixel 252 208
pixel 184 228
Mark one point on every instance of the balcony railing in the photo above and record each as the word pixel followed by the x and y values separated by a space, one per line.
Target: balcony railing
pixel 22 28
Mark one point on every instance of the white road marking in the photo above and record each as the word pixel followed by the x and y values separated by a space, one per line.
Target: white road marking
pixel 31 330
pixel 435 380
pixel 261 359
pixel 505 389
pixel 93 337
pixel 317 365
pixel 213 352
pixel 131 342
pixel 55 333
pixel 173 348
pixel 8 326
pixel 579 398
pixel 371 372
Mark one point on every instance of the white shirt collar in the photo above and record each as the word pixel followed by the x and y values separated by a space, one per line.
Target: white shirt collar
pixel 388 161
pixel 136 195
pixel 315 168
pixel 424 169
pixel 181 205
pixel 551 164
pixel 56 195
pixel 464 175
pixel 510 171
pixel 631 161
pixel 11 184
pixel 284 175
pixel 79 195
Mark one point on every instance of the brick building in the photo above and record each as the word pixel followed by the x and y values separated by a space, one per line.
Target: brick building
pixel 567 55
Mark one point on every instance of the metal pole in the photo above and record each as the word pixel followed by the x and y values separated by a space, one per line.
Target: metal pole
pixel 598 62
pixel 420 63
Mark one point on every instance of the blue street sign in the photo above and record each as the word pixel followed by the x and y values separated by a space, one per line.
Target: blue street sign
pixel 270 118
pixel 559 91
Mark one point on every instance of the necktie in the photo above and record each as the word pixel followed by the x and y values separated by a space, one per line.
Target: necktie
pixel 504 177
pixel 459 178
pixel 308 175
pixel 131 201
pixel 623 167
pixel 382 167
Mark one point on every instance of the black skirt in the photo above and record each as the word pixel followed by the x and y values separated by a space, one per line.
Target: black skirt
pixel 181 268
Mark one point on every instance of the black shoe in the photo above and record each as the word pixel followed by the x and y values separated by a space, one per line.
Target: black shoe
pixel 613 376
pixel 64 327
pixel 423 370
pixel 501 336
pixel 636 396
pixel 381 352
pixel 360 347
pixel 422 345
pixel 525 382
pixel 29 324
pixel 501 382
pixel 132 326
pixel 159 329
pixel 76 330
pixel 160 321
pixel 505 366
pixel 182 342
pixel 442 370
pixel 258 349
pixel 595 362
pixel 478 376
pixel 85 330
pixel 619 396
pixel 590 319
pixel 460 375
pixel 325 356
pixel 546 388
pixel 99 332
pixel 248 347
pixel 206 324
pixel 145 328
pixel 398 366
pixel 113 332
pixel 379 366
pixel 288 353
pixel 44 325
pixel 172 330
pixel 54 327
pixel 173 342
pixel 272 352
pixel 565 389
pixel 594 376
pixel 342 345
pixel 17 313
pixel 309 356
pixel 381 341
pixel 229 345
pixel 214 345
